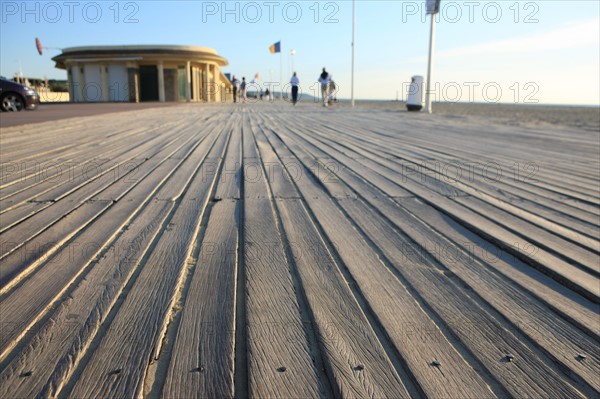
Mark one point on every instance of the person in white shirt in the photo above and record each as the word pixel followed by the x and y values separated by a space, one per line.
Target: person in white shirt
pixel 324 80
pixel 243 90
pixel 295 82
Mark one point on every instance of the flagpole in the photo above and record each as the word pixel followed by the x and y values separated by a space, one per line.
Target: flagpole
pixel 353 32
pixel 280 72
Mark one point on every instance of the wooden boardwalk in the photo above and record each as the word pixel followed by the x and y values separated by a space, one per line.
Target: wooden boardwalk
pixel 267 251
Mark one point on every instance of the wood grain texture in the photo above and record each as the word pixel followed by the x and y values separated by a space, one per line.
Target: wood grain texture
pixel 263 250
pixel 430 284
pixel 546 260
pixel 72 255
pixel 202 359
pixel 384 292
pixel 344 331
pixel 201 365
pixel 280 362
pixel 65 340
pixel 134 337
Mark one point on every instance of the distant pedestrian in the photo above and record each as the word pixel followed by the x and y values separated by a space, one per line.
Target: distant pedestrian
pixel 243 90
pixel 295 82
pixel 268 95
pixel 324 80
pixel 236 86
pixel 332 90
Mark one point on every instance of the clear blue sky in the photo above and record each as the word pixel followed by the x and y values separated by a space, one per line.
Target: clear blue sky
pixel 546 51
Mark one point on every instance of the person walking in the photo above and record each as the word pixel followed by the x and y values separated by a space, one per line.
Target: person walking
pixel 295 82
pixel 243 89
pixel 324 80
pixel 236 86
pixel 332 90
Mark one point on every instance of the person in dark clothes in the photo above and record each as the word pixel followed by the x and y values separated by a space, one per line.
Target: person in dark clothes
pixel 295 82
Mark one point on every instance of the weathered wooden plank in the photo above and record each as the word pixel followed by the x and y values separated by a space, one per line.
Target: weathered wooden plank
pixel 135 335
pixel 11 218
pixel 202 359
pixel 29 300
pixel 524 276
pixel 27 255
pixel 394 249
pixel 487 337
pixel 396 149
pixel 280 362
pixel 232 173
pixel 574 254
pixel 447 168
pixel 124 172
pixel 322 166
pixel 40 230
pixel 66 316
pixel 279 185
pixel 59 344
pixel 63 341
pixel 54 140
pixel 544 260
pixel 117 159
pixel 516 158
pixel 512 157
pixel 471 179
pixel 31 178
pixel 551 331
pixel 583 229
pixel 28 172
pixel 23 305
pixel 202 362
pixel 248 144
pixel 357 362
pixel 384 291
pixel 540 237
pixel 46 133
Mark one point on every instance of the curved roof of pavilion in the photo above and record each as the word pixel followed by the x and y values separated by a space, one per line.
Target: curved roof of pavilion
pixel 138 53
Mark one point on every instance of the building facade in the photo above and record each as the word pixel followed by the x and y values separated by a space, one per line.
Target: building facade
pixel 144 73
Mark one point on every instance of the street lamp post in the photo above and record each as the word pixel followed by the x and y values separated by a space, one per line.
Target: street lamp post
pixel 432 7
pixel 353 45
pixel 429 83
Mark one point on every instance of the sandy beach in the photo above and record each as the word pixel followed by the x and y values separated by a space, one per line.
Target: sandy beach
pixel 587 118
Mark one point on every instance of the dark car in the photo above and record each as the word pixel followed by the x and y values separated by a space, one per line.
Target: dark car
pixel 15 96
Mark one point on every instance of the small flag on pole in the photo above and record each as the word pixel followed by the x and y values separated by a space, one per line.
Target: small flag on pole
pixel 275 48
